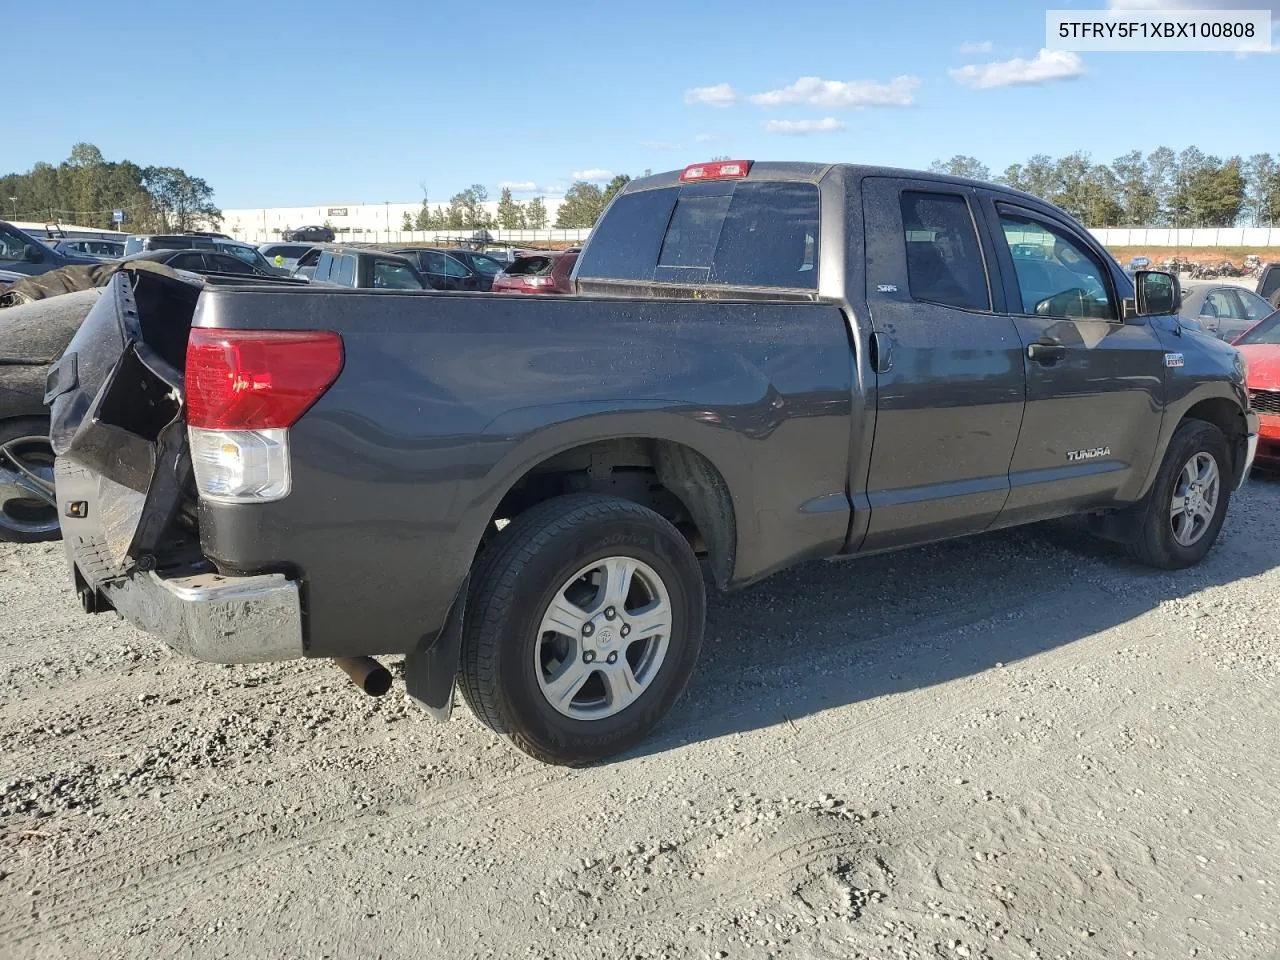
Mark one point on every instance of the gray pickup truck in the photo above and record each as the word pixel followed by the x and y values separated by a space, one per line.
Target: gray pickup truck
pixel 764 364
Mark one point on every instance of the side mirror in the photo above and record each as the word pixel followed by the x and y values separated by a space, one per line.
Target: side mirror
pixel 1158 293
pixel 31 254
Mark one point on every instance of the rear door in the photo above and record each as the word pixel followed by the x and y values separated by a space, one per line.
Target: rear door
pixel 948 362
pixel 1095 382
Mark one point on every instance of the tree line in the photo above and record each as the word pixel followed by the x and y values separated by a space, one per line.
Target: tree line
pixel 1162 188
pixel 85 189
pixel 583 203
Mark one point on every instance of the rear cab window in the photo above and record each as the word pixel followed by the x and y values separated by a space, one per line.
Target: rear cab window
pixel 751 233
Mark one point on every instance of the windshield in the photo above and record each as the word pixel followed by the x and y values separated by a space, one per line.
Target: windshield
pixel 486 265
pixel 1265 331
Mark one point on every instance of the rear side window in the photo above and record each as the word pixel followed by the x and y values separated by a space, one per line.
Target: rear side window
pixel 324 267
pixel 532 266
pixel 1270 283
pixel 944 259
pixel 344 271
pixel 133 245
pixel 754 233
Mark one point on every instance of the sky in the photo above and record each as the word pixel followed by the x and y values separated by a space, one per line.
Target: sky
pixel 282 104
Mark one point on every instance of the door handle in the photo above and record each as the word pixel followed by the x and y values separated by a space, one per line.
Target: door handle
pixel 1046 351
pixel 881 353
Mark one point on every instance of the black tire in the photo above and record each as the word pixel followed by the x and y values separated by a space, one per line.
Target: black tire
pixel 24 521
pixel 519 573
pixel 1155 543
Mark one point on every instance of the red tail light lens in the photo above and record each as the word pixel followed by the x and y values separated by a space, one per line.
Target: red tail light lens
pixel 719 170
pixel 257 379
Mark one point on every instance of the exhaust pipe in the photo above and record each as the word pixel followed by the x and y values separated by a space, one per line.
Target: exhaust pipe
pixel 366 673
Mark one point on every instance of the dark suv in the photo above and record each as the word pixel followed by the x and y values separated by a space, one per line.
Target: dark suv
pixel 309 235
pixel 202 241
pixel 22 253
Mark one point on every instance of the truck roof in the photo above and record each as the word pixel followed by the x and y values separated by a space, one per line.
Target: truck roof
pixel 810 172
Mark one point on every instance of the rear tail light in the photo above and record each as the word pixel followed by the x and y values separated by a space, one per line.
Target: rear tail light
pixel 244 389
pixel 538 281
pixel 719 170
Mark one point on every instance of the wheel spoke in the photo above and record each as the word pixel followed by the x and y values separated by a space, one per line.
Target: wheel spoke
pixel 1189 473
pixel 1181 528
pixel 650 620
pixel 569 680
pixel 618 572
pixel 1179 506
pixel 564 617
pixel 622 684
pixel 1208 472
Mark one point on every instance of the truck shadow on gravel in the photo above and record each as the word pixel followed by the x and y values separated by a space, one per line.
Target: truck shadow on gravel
pixel 824 635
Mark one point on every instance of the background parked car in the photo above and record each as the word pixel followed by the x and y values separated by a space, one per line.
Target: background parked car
pixel 312 234
pixel 1224 310
pixel 284 256
pixel 22 253
pixel 1269 284
pixel 202 241
pixel 102 249
pixel 542 273
pixel 453 269
pixel 1260 345
pixel 203 261
pixel 367 269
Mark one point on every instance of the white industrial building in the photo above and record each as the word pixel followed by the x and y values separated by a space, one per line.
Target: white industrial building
pixel 370 222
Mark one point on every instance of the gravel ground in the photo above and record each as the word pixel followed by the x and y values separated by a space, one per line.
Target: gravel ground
pixel 1018 745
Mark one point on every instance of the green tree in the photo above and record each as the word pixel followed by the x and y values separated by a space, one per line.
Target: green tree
pixel 1134 195
pixel 1013 177
pixel 511 214
pixel 466 209
pixel 535 214
pixel 180 201
pixel 962 166
pixel 1162 175
pixel 1262 190
pixel 583 204
pixel 614 185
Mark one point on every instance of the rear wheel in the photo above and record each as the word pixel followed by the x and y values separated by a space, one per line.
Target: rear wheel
pixel 1187 505
pixel 583 627
pixel 26 462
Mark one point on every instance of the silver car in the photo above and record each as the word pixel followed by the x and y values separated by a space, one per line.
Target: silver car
pixel 1224 310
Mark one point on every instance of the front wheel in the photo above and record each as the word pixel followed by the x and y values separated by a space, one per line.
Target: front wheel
pixel 583 626
pixel 1187 505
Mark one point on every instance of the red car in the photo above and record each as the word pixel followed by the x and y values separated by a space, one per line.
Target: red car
pixel 1260 346
pixel 537 273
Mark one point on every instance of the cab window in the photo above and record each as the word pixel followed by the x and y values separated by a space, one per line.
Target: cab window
pixel 944 258
pixel 1058 276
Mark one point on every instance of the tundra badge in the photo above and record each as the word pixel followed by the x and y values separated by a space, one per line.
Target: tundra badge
pixel 1091 454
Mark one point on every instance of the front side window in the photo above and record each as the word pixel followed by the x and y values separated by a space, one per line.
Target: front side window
pixel 1268 331
pixel 944 258
pixel 394 276
pixel 486 265
pixel 1062 277
pixel 12 246
pixel 453 268
pixel 1219 304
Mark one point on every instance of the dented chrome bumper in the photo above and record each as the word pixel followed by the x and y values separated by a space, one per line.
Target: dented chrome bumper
pixel 215 618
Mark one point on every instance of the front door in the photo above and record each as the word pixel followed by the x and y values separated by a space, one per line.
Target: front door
pixel 1095 382
pixel 949 374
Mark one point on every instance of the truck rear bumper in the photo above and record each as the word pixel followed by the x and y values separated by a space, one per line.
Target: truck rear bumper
pixel 212 617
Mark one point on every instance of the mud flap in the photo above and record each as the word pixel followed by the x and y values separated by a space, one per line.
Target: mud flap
pixel 431 669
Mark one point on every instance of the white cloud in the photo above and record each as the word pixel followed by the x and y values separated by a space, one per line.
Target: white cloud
pixel 977 46
pixel 798 127
pixel 593 175
pixel 552 190
pixel 518 186
pixel 718 95
pixel 659 145
pixel 816 92
pixel 1048 65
